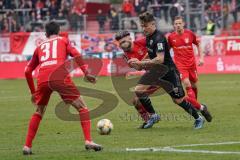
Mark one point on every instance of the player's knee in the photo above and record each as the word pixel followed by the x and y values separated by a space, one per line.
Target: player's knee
pixel 177 100
pixel 40 110
pixel 78 104
pixel 139 91
pixel 135 101
pixel 186 82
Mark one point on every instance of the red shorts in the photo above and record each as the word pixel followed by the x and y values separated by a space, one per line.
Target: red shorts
pixel 67 90
pixel 190 73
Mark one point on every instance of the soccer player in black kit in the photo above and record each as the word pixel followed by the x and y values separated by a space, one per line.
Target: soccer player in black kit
pixel 160 71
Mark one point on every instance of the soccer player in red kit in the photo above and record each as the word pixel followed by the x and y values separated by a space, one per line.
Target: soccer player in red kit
pixel 50 56
pixel 182 41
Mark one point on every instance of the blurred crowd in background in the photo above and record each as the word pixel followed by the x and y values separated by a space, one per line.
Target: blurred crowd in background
pixel 31 15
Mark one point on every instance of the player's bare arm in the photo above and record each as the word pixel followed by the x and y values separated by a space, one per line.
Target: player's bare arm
pixel 80 62
pixel 201 54
pixel 147 63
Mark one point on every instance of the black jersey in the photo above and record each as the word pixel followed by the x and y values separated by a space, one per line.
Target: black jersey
pixel 158 43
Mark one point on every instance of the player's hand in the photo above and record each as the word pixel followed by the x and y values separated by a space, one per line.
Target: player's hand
pixel 90 78
pixel 130 61
pixel 135 63
pixel 201 62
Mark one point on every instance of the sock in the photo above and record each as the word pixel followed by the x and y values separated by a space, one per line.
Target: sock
pixel 190 92
pixel 147 104
pixel 32 129
pixel 188 107
pixel 141 110
pixel 194 102
pixel 195 90
pixel 85 123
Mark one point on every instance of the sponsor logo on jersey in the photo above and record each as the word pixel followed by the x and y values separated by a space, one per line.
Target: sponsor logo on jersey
pixel 160 46
pixel 151 42
pixel 175 90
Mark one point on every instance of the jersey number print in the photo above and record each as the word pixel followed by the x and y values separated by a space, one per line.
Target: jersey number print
pixel 46 50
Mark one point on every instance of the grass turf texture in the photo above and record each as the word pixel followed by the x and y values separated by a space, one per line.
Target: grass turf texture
pixel 59 139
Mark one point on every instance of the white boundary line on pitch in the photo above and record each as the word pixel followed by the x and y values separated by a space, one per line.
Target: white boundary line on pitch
pixel 206 144
pixel 172 149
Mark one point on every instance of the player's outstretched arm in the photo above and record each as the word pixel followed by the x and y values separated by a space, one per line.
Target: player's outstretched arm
pixel 80 62
pixel 201 54
pixel 33 63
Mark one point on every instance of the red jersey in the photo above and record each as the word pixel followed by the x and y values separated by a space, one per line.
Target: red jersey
pixel 139 50
pixel 183 48
pixel 49 55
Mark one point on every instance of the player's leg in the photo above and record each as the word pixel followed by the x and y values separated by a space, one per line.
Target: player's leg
pixel 70 94
pixel 42 96
pixel 187 84
pixel 190 109
pixel 141 109
pixel 195 88
pixel 184 74
pixel 193 77
pixel 84 114
pixel 142 93
pixel 178 95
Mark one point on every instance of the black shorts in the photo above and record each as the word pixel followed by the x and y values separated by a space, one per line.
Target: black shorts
pixel 166 77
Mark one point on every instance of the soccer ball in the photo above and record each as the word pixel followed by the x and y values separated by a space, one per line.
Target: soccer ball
pixel 104 126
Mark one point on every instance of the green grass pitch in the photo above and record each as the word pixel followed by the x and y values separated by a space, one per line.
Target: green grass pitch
pixel 59 139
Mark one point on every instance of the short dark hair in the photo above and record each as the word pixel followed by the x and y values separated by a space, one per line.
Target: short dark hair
pixel 52 28
pixel 146 17
pixel 121 34
pixel 178 17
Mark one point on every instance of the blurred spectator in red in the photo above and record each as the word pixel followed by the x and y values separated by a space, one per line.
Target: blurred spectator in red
pixel 39 13
pixel 101 18
pixel 39 5
pixel 215 9
pixel 127 8
pixel 76 17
